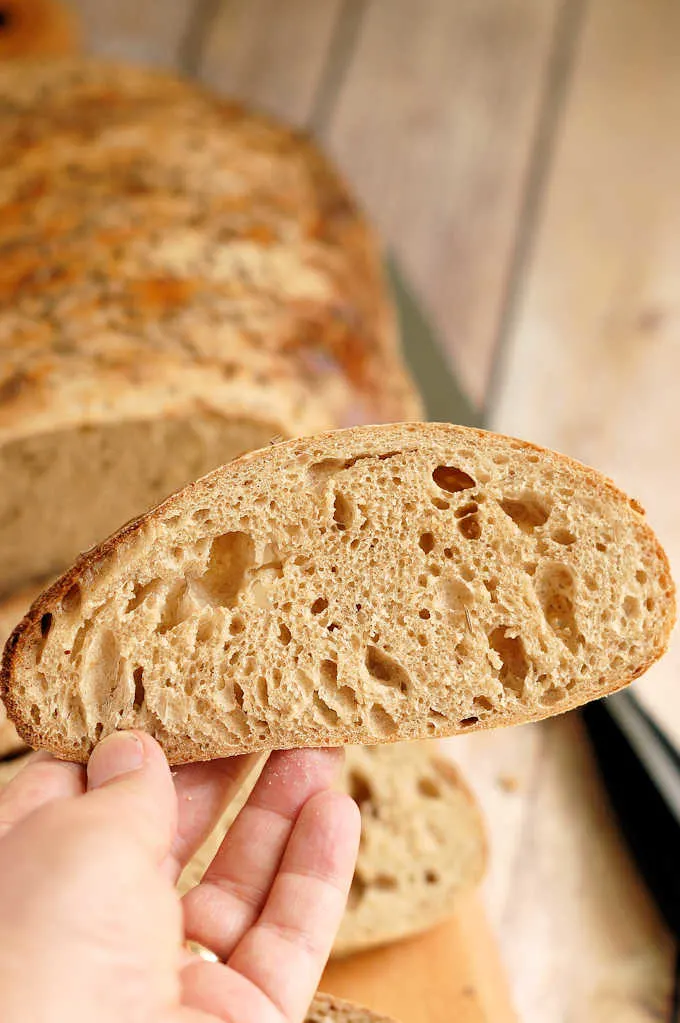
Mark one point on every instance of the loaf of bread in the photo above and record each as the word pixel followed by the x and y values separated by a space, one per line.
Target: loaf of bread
pixel 32 27
pixel 181 280
pixel 12 610
pixel 422 842
pixel 363 586
pixel 327 1009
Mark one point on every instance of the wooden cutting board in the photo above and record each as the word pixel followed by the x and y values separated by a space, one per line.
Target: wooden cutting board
pixel 452 974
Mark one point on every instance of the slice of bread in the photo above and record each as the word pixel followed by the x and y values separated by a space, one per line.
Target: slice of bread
pixel 12 610
pixel 328 1009
pixel 182 280
pixel 363 586
pixel 422 842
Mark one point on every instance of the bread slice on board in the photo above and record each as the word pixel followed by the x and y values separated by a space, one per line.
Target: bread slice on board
pixel 422 842
pixel 182 280
pixel 363 586
pixel 327 1009
pixel 12 610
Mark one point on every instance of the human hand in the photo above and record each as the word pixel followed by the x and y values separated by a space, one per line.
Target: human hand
pixel 91 928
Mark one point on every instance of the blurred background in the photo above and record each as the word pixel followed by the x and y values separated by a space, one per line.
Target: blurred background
pixel 521 159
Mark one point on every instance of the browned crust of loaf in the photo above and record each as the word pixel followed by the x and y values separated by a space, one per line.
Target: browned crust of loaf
pixel 347 1010
pixel 186 751
pixel 349 334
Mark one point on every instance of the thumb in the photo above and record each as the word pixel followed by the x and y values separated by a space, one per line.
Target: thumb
pixel 129 782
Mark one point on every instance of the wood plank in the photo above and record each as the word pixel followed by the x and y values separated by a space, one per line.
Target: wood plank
pixel 271 54
pixel 591 369
pixel 134 30
pixel 594 359
pixel 581 937
pixel 434 126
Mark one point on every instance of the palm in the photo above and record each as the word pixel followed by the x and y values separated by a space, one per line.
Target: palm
pixel 268 906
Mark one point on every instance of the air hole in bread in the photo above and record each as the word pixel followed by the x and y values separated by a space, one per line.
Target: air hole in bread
pixel 431 877
pixel 177 608
pixel 100 671
pixel 650 603
pixel 206 629
pixel 343 511
pixel 237 693
pixel 386 670
pixel 261 691
pixel 99 728
pixel 526 512
pixel 385 882
pixel 552 696
pixel 140 693
pixel 35 713
pixel 140 593
pixel 231 556
pixel 564 537
pixel 284 634
pixel 380 722
pixel 467 509
pixel 71 600
pixel 641 576
pixel 602 547
pixel 429 788
pixel 468 722
pixel 470 527
pixel 482 703
pixel 359 788
pixel 328 715
pixel 426 542
pixel 45 625
pixel 357 891
pixel 329 672
pixel 631 606
pixel 514 664
pixel 326 467
pixel 424 614
pixel 555 589
pixel 452 479
pixel 319 605
pixel 455 594
pixel 440 504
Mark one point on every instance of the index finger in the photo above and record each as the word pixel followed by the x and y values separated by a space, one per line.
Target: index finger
pixel 285 953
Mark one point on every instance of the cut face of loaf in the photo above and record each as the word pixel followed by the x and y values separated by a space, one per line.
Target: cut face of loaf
pixel 182 280
pixel 422 842
pixel 363 586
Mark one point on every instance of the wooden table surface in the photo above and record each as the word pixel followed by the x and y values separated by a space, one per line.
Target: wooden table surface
pixel 522 159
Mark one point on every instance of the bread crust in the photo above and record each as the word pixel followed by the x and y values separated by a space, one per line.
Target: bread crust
pixel 378 442
pixel 329 1009
pixel 166 252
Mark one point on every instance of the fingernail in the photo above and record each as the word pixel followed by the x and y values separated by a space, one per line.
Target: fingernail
pixel 117 754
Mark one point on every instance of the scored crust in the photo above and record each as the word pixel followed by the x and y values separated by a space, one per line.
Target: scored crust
pixel 363 586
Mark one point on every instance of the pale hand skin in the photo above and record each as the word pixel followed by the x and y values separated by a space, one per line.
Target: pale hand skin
pixel 91 929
